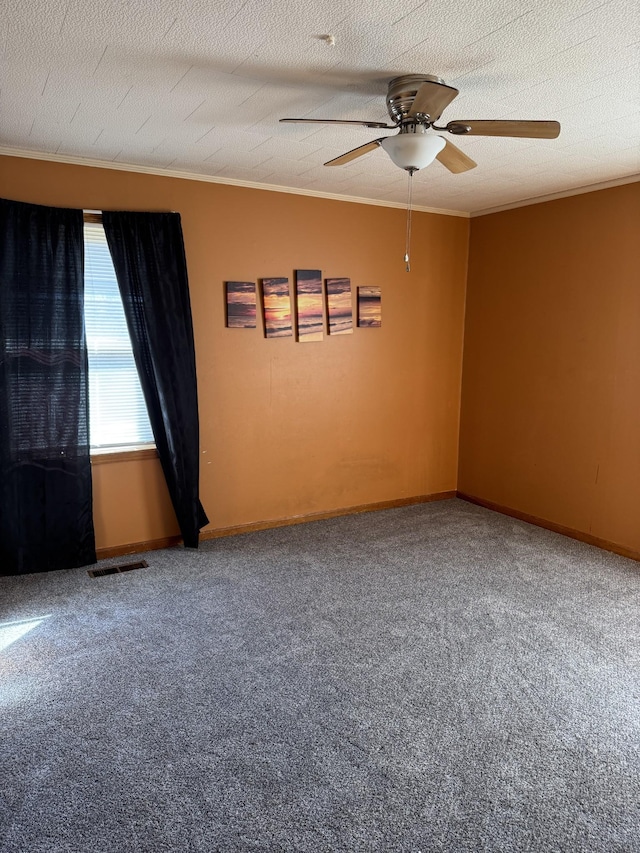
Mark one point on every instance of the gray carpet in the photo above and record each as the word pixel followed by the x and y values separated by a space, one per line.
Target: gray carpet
pixel 432 678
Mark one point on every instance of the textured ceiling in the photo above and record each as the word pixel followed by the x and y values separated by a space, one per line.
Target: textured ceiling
pixel 199 87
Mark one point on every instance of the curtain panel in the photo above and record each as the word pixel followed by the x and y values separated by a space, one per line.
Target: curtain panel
pixel 149 259
pixel 46 517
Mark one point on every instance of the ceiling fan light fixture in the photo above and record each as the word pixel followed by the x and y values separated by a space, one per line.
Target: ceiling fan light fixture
pixel 412 151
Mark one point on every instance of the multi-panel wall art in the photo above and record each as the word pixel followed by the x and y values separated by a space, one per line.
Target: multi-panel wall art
pixel 339 308
pixel 309 305
pixel 369 307
pixel 241 306
pixel 277 308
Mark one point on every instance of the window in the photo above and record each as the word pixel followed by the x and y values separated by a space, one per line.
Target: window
pixel 117 412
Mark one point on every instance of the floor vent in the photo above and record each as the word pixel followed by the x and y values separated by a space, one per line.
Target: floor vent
pixel 115 570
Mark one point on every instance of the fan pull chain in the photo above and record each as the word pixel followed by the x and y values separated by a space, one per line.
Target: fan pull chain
pixel 409 200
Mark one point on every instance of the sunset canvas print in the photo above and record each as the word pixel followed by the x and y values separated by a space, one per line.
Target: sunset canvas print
pixel 369 307
pixel 339 306
pixel 241 304
pixel 309 305
pixel 277 308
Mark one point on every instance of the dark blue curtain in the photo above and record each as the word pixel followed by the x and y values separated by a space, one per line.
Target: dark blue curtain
pixel 148 256
pixel 45 472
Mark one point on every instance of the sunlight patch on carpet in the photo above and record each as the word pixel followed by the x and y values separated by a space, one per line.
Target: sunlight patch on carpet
pixel 12 631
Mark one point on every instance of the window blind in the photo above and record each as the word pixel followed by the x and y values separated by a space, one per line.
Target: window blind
pixel 117 411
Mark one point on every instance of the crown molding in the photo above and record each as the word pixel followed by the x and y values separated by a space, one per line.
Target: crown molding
pixel 540 199
pixel 213 179
pixel 232 182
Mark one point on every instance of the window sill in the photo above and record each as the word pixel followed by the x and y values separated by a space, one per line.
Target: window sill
pixel 125 454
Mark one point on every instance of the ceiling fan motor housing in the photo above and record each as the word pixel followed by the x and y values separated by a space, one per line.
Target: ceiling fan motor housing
pixel 402 91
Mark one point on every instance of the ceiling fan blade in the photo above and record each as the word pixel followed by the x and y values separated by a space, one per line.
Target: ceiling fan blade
pixel 338 121
pixel 454 159
pixel 431 99
pixel 355 152
pixel 521 129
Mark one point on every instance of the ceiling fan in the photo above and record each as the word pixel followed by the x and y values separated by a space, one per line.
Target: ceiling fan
pixel 415 102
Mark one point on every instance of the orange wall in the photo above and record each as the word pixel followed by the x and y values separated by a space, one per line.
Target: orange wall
pixel 550 421
pixel 286 428
pixel 131 503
